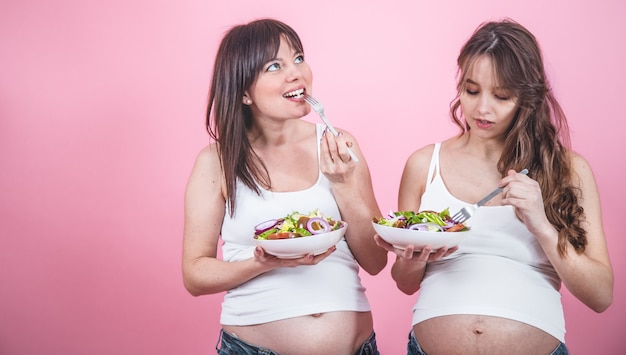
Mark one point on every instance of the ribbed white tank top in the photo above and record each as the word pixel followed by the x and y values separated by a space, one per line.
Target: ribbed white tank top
pixel 331 285
pixel 499 270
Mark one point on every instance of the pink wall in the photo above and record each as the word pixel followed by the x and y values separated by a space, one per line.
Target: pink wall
pixel 101 115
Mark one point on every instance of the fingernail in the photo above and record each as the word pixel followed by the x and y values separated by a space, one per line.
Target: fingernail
pixel 349 144
pixel 340 134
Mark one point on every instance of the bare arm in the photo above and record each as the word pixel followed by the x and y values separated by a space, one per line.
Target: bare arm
pixel 203 273
pixel 410 266
pixel 353 191
pixel 588 276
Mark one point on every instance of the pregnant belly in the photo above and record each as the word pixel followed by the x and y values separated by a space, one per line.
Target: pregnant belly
pixel 321 333
pixel 470 334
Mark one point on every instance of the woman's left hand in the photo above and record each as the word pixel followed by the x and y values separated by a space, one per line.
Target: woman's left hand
pixel 351 186
pixel 272 262
pixel 411 253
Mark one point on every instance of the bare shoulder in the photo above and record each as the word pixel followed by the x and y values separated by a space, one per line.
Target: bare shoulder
pixel 583 178
pixel 414 178
pixel 207 170
pixel 583 174
pixel 208 159
pixel 421 157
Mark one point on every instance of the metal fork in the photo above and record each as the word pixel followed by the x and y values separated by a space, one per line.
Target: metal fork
pixel 466 212
pixel 319 108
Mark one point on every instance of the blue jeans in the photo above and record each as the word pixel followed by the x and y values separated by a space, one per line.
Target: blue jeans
pixel 231 345
pixel 413 348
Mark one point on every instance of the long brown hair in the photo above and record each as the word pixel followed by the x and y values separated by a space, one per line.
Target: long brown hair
pixel 538 138
pixel 243 52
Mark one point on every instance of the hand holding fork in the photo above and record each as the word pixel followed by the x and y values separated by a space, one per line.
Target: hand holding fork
pixel 319 108
pixel 466 212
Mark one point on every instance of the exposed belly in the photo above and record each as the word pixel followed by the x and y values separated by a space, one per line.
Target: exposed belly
pixel 470 334
pixel 324 333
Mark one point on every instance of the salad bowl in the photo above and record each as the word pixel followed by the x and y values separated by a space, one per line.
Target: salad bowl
pixel 436 229
pixel 296 235
pixel 293 248
pixel 401 238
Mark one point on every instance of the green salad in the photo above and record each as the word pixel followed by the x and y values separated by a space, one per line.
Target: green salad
pixel 296 225
pixel 430 221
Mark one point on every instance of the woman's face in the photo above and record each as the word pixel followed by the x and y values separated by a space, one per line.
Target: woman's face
pixel 488 109
pixel 278 91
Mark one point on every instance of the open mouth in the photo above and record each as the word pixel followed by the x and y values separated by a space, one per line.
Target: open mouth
pixel 296 94
pixel 483 123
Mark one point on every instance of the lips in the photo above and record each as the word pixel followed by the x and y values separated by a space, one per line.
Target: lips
pixel 483 123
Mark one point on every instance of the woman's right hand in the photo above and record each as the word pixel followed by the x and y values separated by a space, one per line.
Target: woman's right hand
pixel 273 262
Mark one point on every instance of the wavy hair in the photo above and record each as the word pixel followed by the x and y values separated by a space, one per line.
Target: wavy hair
pixel 538 138
pixel 243 52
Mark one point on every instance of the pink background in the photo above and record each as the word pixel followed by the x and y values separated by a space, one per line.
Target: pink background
pixel 101 116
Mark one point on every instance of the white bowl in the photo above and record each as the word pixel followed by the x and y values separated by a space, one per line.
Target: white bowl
pixel 402 237
pixel 299 247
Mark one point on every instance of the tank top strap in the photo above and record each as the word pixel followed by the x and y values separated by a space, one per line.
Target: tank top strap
pixel 319 130
pixel 433 169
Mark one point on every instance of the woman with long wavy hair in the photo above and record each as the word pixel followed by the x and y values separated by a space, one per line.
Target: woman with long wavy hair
pixel 498 292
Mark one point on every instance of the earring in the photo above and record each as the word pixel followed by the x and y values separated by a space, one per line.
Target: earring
pixel 248 101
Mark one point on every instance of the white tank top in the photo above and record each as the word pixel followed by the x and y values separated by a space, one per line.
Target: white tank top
pixel 499 270
pixel 331 285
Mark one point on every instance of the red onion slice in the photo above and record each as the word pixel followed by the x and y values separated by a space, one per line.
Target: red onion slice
pixel 263 226
pixel 419 227
pixel 426 227
pixel 321 223
pixel 449 224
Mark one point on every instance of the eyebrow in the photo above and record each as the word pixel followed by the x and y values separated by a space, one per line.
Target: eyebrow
pixel 470 81
pixel 280 59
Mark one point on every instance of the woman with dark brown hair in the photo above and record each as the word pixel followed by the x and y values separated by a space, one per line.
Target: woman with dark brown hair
pixel 267 162
pixel 498 292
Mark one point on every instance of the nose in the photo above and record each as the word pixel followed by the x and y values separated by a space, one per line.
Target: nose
pixel 484 104
pixel 293 73
pixel 296 71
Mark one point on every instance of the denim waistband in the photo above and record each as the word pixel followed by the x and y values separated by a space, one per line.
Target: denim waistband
pixel 369 346
pixel 228 344
pixel 413 347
